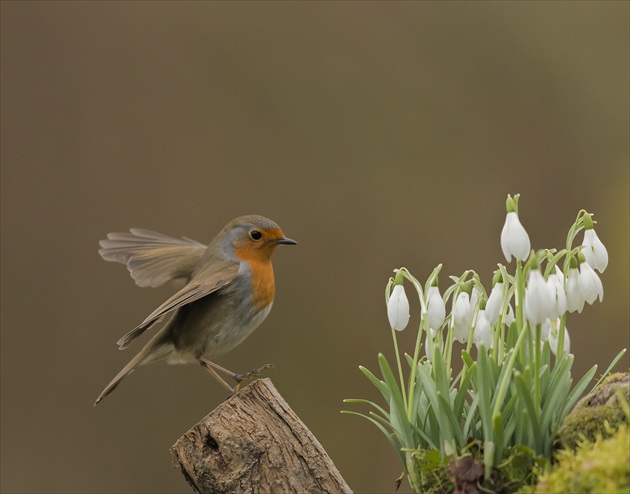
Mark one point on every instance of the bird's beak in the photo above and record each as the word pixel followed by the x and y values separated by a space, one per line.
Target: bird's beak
pixel 286 241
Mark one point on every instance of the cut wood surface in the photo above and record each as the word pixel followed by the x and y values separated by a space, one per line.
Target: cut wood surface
pixel 254 443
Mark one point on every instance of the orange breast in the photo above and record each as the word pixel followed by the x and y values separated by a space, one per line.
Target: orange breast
pixel 263 285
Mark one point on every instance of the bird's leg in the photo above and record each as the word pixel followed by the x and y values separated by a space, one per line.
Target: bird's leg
pixel 210 366
pixel 206 364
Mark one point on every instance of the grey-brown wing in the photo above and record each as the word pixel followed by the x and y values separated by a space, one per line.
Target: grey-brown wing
pixel 216 277
pixel 152 258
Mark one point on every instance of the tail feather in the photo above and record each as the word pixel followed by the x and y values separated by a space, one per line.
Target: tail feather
pixel 156 349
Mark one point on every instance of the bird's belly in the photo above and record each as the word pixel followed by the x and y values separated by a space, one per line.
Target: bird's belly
pixel 213 326
pixel 234 332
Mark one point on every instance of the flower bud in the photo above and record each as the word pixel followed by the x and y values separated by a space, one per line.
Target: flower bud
pixel 398 308
pixel 436 310
pixel 514 239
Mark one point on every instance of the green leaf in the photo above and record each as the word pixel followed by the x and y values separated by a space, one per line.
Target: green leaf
pixel 387 434
pixel 397 407
pixel 380 385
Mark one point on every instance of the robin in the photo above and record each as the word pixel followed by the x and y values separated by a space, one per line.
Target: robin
pixel 229 292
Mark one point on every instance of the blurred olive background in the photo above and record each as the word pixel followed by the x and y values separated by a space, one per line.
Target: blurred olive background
pixel 376 134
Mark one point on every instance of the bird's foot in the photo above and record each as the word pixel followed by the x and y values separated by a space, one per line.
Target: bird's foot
pixel 239 378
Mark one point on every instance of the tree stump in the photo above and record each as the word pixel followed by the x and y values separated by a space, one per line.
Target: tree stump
pixel 255 443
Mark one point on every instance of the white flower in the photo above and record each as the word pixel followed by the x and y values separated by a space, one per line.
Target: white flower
pixel 493 306
pixel 539 300
pixel 398 308
pixel 482 334
pixel 462 317
pixel 575 299
pixel 555 283
pixel 514 238
pixel 553 338
pixel 594 251
pixel 436 310
pixel 590 285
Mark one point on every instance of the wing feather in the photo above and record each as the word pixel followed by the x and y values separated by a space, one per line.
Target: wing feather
pixel 222 274
pixel 152 258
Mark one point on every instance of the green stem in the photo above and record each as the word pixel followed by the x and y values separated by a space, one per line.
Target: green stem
pixel 416 352
pixel 400 372
pixel 508 373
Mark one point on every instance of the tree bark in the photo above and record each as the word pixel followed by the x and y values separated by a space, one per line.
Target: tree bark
pixel 254 443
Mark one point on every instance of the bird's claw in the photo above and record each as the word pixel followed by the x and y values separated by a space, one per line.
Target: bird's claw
pixel 252 373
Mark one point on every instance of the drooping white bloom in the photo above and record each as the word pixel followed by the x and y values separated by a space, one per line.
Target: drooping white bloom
pixel 436 310
pixel 594 251
pixel 462 317
pixel 553 338
pixel 575 299
pixel 514 238
pixel 556 285
pixel 398 308
pixel 493 306
pixel 482 335
pixel 590 285
pixel 539 300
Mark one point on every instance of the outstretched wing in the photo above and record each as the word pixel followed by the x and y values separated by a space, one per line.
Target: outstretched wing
pixel 220 274
pixel 152 258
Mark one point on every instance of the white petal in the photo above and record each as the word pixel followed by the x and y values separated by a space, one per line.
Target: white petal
pixel 436 310
pixel 575 300
pixel 539 299
pixel 398 308
pixel 553 341
pixel 462 317
pixel 590 285
pixel 482 334
pixel 493 306
pixel 559 296
pixel 594 251
pixel 514 239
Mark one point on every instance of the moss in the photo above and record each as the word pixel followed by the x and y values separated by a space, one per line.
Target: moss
pixel 597 415
pixel 602 466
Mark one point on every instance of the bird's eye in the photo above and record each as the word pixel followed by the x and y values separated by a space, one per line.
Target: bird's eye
pixel 255 234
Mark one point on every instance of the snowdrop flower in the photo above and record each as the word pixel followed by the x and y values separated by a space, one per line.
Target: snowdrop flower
pixel 553 338
pixel 594 251
pixel 482 335
pixel 462 317
pixel 514 238
pixel 539 299
pixel 555 282
pixel 493 306
pixel 398 308
pixel 575 299
pixel 590 285
pixel 436 310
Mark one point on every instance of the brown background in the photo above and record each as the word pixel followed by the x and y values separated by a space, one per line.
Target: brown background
pixel 376 134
